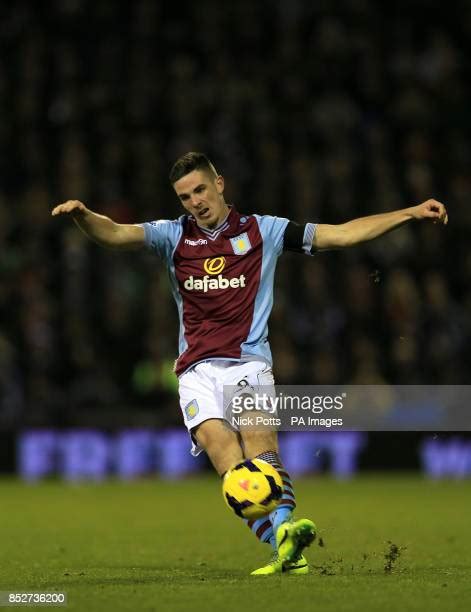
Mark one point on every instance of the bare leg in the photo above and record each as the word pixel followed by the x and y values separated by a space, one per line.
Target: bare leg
pixel 222 445
pixel 257 441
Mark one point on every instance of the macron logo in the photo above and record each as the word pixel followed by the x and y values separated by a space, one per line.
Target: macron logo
pixel 195 242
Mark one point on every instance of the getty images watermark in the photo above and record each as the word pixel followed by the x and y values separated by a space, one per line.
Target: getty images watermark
pixel 265 409
pixel 350 407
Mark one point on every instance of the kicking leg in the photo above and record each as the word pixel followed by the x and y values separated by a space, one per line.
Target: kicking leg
pixel 288 538
pixel 222 446
pixel 263 444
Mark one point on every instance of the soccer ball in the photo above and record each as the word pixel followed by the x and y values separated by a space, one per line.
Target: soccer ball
pixel 252 488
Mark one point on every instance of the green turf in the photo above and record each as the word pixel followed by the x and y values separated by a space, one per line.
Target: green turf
pixel 167 546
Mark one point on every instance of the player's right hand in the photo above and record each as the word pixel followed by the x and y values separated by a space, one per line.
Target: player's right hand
pixel 71 206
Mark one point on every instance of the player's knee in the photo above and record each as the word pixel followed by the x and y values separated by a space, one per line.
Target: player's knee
pixel 213 433
pixel 220 443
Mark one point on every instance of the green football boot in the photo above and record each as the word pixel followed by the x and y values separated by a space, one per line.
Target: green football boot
pixel 296 568
pixel 275 566
pixel 292 538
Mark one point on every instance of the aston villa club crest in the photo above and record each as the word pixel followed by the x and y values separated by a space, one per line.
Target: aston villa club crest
pixel 241 244
pixel 191 409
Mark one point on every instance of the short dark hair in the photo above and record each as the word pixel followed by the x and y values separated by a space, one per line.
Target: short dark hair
pixel 189 162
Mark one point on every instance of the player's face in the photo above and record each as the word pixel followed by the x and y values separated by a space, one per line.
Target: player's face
pixel 201 194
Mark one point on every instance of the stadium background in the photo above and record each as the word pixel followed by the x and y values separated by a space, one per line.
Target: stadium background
pixel 316 111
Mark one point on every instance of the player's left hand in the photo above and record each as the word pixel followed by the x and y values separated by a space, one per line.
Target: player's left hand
pixel 431 209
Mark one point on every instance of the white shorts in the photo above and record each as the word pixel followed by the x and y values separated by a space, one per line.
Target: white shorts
pixel 201 389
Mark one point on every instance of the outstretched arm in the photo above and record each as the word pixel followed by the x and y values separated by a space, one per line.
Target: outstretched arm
pixel 368 228
pixel 102 229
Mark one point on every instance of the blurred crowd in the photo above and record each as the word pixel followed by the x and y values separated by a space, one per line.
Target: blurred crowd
pixel 316 111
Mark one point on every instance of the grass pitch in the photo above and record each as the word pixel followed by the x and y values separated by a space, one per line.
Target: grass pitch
pixel 387 543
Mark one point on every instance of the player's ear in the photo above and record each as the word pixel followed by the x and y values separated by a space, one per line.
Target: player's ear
pixel 219 184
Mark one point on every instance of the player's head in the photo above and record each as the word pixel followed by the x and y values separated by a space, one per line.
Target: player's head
pixel 200 188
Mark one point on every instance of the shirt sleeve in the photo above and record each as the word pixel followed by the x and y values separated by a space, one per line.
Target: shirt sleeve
pixel 163 236
pixel 273 231
pixel 298 238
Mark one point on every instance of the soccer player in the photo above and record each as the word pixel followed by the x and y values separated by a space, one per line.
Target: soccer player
pixel 221 265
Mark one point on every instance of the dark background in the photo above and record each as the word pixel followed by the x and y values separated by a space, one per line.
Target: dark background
pixel 317 111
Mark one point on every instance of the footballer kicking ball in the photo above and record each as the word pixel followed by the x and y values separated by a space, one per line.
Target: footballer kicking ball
pixel 252 488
